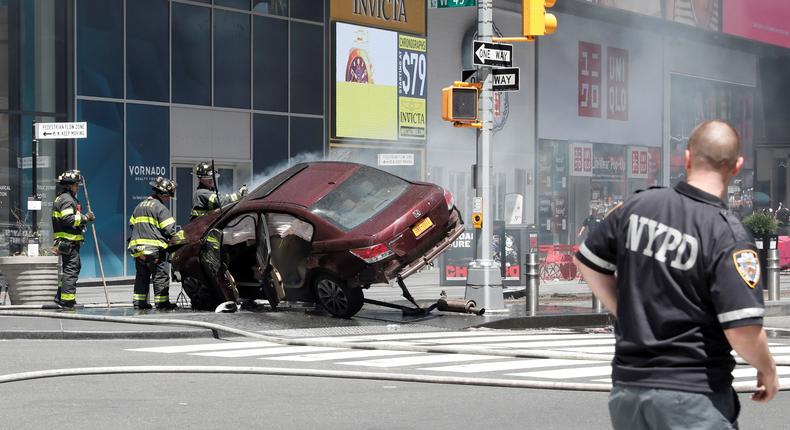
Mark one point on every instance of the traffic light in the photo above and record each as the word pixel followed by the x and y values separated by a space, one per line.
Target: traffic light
pixel 535 20
pixel 459 103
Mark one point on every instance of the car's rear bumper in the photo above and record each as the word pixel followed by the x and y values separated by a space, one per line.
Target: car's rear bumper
pixel 434 252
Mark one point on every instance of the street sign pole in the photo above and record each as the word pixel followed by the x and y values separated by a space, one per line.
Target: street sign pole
pixel 34 162
pixel 484 280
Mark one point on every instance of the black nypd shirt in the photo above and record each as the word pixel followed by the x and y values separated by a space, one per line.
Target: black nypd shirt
pixel 686 269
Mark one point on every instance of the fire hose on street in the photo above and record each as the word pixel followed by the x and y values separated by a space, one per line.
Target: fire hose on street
pixel 391 346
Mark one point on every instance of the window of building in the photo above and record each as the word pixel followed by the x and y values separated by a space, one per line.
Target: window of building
pixel 307 68
pixel 272 7
pixel 191 47
pixel 4 63
pixel 270 142
pixel 231 59
pixel 147 50
pixel 307 136
pixel 237 4
pixel 310 10
pixel 270 64
pixel 100 48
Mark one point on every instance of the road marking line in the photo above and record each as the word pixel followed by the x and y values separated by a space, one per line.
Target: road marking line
pixel 419 359
pixel 411 336
pixel 338 355
pixel 549 344
pixel 219 346
pixel 581 372
pixel 609 349
pixel 751 372
pixel 265 351
pixel 508 365
pixel 558 337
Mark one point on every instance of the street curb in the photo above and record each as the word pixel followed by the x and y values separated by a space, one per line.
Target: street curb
pixel 103 335
pixel 547 321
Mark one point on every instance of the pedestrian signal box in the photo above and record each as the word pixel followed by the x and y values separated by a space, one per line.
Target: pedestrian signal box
pixel 459 104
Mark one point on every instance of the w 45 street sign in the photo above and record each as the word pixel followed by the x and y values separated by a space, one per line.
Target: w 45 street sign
pixel 455 3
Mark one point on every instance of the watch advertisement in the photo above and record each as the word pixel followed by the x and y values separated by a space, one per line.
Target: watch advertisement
pixel 412 86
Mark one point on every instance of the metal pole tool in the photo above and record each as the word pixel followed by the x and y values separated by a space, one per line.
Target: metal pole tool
pixel 96 242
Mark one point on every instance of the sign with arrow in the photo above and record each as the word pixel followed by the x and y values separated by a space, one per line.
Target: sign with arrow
pixel 506 79
pixel 492 54
pixel 61 130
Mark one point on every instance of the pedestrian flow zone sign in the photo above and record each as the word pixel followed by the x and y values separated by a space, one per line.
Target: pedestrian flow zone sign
pixel 505 79
pixel 61 130
pixel 492 54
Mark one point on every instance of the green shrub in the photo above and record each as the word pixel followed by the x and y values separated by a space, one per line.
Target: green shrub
pixel 761 223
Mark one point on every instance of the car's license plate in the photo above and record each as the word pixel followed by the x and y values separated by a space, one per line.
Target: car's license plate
pixel 421 226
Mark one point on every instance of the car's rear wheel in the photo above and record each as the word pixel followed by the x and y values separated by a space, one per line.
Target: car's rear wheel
pixel 337 297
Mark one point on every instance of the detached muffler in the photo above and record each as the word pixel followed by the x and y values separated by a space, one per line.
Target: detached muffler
pixel 459 305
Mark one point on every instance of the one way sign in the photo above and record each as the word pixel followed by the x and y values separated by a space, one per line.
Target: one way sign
pixel 492 54
pixel 506 79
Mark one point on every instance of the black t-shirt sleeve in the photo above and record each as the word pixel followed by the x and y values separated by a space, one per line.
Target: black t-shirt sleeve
pixel 736 290
pixel 599 250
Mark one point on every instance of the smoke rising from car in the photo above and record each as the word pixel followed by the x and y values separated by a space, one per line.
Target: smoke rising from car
pixel 305 157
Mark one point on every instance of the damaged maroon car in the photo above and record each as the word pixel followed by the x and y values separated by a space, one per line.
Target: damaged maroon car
pixel 317 232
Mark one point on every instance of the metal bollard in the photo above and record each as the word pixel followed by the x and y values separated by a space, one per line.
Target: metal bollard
pixel 596 304
pixel 533 282
pixel 772 274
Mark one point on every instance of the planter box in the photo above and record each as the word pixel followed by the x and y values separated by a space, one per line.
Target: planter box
pixel 31 280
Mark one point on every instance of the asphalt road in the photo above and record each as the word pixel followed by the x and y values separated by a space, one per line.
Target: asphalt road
pixel 258 401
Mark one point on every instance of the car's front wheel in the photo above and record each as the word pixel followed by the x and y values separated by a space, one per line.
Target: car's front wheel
pixel 337 297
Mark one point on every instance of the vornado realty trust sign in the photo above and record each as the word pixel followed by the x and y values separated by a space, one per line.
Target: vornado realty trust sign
pixel 402 15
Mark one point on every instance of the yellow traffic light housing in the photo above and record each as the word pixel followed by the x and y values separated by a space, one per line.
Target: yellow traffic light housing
pixel 459 104
pixel 535 21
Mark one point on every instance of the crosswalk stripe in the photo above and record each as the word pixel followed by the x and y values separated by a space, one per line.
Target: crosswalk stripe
pixel 549 344
pixel 528 337
pixel 783 382
pixel 609 349
pixel 508 365
pixel 265 351
pixel 204 347
pixel 413 336
pixel 581 372
pixel 342 355
pixel 780 349
pixel 751 372
pixel 422 358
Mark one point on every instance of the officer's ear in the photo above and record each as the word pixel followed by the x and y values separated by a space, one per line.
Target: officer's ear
pixel 687 159
pixel 738 166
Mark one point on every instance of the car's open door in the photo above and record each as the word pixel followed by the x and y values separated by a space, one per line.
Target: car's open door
pixel 271 281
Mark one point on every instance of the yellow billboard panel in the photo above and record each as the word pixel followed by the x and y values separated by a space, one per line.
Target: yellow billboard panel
pixel 366 111
pixel 411 118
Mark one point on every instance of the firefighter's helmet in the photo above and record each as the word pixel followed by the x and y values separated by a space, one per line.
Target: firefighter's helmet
pixel 70 177
pixel 203 171
pixel 164 186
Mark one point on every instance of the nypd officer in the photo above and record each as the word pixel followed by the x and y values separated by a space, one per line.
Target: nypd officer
pixel 152 227
pixel 205 198
pixel 68 224
pixel 681 275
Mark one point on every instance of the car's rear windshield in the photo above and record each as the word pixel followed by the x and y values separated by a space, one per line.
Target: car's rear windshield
pixel 360 197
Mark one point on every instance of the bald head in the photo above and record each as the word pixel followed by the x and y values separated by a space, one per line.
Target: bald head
pixel 714 145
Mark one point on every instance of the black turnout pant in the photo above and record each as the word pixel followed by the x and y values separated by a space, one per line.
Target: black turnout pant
pixel 154 268
pixel 69 252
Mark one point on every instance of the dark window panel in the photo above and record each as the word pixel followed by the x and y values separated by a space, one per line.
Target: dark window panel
pixel 238 4
pixel 100 159
pixel 307 68
pixel 202 1
pixel 312 10
pixel 270 142
pixel 5 76
pixel 272 7
pixel 307 136
pixel 100 48
pixel 148 68
pixel 231 59
pixel 270 58
pixel 191 54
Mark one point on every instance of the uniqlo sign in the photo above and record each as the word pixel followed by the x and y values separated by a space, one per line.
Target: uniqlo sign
pixel 638 162
pixel 617 83
pixel 581 159
pixel 589 79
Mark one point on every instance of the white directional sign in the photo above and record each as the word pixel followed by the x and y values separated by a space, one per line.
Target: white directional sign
pixel 492 54
pixel 505 79
pixel 61 130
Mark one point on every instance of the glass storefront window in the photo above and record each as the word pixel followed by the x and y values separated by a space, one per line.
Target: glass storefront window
pixel 307 68
pixel 270 64
pixel 237 4
pixel 307 136
pixel 269 142
pixel 232 59
pixel 191 32
pixel 100 48
pixel 272 7
pixel 42 37
pixel 310 10
pixel 4 60
pixel 147 50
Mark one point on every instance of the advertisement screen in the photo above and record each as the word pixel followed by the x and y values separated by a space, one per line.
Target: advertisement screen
pixel 366 83
pixel 762 20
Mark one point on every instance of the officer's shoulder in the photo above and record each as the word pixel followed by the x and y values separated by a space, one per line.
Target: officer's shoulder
pixel 734 225
pixel 654 187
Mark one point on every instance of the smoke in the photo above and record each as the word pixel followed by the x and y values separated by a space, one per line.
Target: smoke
pixel 306 157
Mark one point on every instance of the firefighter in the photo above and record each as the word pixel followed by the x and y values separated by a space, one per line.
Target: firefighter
pixel 205 198
pixel 152 227
pixel 68 224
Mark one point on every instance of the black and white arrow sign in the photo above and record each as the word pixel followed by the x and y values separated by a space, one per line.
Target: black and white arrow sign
pixel 492 54
pixel 505 79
